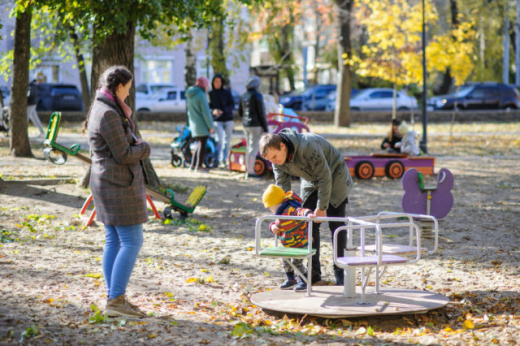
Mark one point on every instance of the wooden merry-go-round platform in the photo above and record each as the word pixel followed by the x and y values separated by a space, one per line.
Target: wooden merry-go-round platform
pixel 328 301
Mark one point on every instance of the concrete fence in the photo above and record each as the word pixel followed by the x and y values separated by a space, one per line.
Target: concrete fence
pixel 328 117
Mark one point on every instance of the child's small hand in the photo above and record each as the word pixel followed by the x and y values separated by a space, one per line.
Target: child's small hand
pixel 275 229
pixel 312 216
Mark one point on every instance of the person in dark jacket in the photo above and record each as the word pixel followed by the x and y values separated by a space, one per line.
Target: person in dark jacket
pixel 222 105
pixel 394 137
pixel 117 183
pixel 32 101
pixel 324 185
pixel 252 111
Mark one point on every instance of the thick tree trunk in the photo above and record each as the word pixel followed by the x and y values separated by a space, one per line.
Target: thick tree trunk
pixel 342 112
pixel 190 69
pixel 85 90
pixel 19 143
pixel 218 58
pixel 118 49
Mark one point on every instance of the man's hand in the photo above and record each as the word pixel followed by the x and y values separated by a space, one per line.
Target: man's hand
pixel 320 213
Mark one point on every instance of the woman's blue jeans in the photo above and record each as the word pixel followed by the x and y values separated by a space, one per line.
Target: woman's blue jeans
pixel 122 245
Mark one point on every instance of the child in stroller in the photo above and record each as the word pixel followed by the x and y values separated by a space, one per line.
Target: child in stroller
pixel 182 151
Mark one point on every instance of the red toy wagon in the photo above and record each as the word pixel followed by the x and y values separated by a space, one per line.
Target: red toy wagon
pixel 390 165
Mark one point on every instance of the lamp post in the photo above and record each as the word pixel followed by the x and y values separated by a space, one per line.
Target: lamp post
pixel 423 143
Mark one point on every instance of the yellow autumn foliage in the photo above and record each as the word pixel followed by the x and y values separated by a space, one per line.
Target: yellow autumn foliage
pixel 394 48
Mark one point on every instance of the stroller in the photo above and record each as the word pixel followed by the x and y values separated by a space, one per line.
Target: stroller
pixel 184 145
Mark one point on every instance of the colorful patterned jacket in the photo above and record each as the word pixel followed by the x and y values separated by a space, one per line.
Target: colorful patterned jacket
pixel 293 233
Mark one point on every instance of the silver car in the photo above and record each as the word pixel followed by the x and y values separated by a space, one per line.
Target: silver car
pixel 166 100
pixel 378 99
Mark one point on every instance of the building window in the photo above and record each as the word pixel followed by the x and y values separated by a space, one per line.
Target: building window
pixel 157 71
pixel 47 73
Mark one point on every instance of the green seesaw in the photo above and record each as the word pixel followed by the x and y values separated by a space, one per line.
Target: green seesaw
pixel 58 154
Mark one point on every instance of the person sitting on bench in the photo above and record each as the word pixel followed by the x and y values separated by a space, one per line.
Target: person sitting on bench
pixel 292 233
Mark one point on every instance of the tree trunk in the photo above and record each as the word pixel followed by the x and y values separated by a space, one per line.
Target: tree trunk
pixel 19 144
pixel 190 69
pixel 85 91
pixel 342 112
pixel 317 39
pixel 216 45
pixel 287 52
pixel 118 49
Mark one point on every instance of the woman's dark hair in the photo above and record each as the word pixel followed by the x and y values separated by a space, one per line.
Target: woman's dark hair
pixel 110 80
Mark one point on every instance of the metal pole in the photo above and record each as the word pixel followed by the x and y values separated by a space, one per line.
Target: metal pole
pixel 424 140
pixel 517 43
pixel 505 68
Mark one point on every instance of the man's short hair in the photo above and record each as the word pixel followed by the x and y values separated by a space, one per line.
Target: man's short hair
pixel 269 140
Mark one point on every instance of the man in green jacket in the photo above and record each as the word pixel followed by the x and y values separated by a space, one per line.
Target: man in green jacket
pixel 325 181
pixel 200 120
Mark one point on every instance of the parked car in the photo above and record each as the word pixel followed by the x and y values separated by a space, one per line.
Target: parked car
pixel 145 90
pixel 165 100
pixel 310 96
pixel 487 95
pixel 331 99
pixel 59 97
pixel 381 99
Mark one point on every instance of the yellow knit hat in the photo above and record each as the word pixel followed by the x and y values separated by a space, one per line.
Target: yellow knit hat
pixel 273 195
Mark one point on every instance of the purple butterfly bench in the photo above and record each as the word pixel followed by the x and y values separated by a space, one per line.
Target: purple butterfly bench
pixel 429 200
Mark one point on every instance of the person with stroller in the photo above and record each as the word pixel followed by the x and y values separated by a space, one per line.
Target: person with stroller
pixel 252 112
pixel 200 121
pixel 117 183
pixel 292 233
pixel 222 105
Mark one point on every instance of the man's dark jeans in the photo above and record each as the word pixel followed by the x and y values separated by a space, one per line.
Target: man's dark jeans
pixel 311 203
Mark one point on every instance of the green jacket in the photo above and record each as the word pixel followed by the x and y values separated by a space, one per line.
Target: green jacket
pixel 199 115
pixel 320 166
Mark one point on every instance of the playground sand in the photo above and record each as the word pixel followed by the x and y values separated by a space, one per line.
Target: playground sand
pixel 195 279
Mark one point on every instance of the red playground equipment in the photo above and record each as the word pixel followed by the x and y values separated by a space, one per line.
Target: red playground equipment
pixel 275 122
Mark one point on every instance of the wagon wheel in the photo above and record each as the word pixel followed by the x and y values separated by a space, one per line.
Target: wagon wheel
pixel 364 170
pixel 260 167
pixel 394 169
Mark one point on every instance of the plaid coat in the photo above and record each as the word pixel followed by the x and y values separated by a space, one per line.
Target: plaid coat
pixel 117 178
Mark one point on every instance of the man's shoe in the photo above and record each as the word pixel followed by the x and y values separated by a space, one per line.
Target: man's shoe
pixel 301 286
pixel 288 284
pixel 120 307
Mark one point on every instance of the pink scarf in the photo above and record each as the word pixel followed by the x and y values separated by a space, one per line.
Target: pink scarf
pixel 124 106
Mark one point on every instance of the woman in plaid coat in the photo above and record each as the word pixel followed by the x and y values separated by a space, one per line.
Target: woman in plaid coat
pixel 117 183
